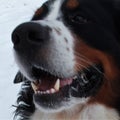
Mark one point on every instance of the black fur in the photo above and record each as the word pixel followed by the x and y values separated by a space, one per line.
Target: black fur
pixel 25 106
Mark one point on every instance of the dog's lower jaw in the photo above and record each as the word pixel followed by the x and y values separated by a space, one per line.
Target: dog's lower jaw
pixel 65 105
pixel 63 114
pixel 79 112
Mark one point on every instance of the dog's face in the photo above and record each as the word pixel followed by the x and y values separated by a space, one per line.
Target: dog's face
pixel 67 53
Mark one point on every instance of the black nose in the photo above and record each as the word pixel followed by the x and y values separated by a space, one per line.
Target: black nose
pixel 30 33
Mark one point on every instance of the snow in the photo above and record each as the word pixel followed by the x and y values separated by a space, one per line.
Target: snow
pixel 12 13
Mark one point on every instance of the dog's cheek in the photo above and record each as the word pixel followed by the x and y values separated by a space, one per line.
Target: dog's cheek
pixel 86 55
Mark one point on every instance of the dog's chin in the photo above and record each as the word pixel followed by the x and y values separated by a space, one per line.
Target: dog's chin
pixel 52 93
pixel 53 102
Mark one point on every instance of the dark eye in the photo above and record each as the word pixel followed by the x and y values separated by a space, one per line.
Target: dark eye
pixel 78 19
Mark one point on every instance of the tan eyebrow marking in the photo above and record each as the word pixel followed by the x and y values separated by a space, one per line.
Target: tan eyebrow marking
pixel 72 4
pixel 39 11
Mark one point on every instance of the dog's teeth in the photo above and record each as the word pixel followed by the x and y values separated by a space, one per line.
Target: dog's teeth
pixel 57 85
pixel 75 77
pixel 52 90
pixel 48 92
pixel 34 86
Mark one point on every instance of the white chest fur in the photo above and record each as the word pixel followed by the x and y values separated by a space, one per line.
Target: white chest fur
pixel 91 112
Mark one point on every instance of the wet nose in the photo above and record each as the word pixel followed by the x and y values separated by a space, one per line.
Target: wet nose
pixel 30 33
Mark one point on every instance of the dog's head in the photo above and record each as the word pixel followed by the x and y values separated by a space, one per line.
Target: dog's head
pixel 69 52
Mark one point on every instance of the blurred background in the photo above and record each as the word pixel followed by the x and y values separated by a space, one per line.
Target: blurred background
pixel 12 13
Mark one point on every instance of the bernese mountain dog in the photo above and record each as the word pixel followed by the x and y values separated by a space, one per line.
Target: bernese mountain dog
pixel 69 61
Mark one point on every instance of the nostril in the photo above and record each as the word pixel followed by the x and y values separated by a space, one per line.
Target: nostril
pixel 15 39
pixel 30 34
pixel 34 36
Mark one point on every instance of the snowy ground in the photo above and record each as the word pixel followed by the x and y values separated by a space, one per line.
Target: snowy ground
pixel 12 13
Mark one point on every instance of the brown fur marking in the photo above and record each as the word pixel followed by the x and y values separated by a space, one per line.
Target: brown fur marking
pixel 39 11
pixel 72 4
pixel 109 92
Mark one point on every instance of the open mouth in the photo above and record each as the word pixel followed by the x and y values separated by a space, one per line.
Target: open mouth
pixel 48 83
pixel 83 84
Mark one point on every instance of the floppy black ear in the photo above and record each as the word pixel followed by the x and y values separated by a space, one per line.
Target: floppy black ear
pixel 19 78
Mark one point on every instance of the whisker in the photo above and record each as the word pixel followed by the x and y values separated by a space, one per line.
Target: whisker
pixel 82 56
pixel 86 60
pixel 80 65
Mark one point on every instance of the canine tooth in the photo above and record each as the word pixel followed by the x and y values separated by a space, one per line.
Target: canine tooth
pixel 57 85
pixel 34 86
pixel 47 91
pixel 75 77
pixel 52 90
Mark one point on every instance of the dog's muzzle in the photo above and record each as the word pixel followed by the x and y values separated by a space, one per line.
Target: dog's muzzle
pixel 43 57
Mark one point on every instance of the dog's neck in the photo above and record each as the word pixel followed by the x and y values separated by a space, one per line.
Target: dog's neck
pixel 79 112
pixel 69 114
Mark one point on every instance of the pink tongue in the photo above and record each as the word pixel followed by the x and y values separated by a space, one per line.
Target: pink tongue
pixel 65 82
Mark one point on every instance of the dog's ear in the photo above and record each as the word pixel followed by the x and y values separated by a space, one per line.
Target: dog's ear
pixel 19 78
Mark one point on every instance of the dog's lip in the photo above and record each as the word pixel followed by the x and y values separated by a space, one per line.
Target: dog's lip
pixel 46 82
pixel 50 84
pixel 85 83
